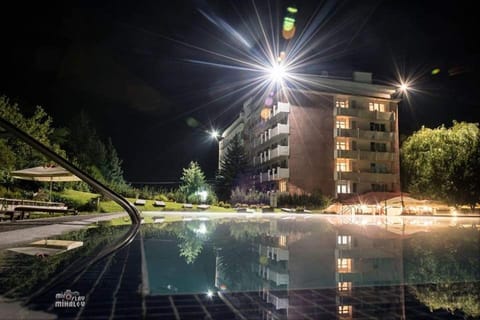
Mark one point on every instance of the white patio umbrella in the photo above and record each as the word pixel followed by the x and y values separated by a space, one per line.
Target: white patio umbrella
pixel 45 174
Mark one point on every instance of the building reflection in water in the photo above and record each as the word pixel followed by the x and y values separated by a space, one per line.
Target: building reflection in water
pixel 305 267
pixel 313 269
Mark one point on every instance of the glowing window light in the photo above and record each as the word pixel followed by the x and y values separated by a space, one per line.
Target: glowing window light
pixel 344 265
pixel 344 309
pixel 344 286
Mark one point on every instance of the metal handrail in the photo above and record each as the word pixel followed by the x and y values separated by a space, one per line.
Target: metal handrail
pixel 75 268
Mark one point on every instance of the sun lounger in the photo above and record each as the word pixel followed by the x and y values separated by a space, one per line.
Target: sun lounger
pixel 140 202
pixel 157 203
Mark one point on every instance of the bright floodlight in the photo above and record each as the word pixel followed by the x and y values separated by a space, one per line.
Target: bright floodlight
pixel 209 293
pixel 277 72
pixel 404 87
pixel 214 134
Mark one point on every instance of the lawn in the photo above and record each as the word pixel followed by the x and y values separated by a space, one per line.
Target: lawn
pixel 110 206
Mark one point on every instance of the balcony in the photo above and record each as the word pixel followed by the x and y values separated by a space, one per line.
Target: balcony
pixel 368 177
pixel 365 134
pixel 279 277
pixel 272 154
pixel 365 155
pixel 270 134
pixel 279 129
pixel 280 151
pixel 278 298
pixel 365 114
pixel 281 107
pixel 346 154
pixel 274 174
pixel 377 156
pixel 274 253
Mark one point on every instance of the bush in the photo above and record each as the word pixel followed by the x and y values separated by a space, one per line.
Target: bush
pixel 194 199
pixel 301 201
pixel 5 193
pixel 249 197
pixel 179 197
pixel 161 197
pixel 170 196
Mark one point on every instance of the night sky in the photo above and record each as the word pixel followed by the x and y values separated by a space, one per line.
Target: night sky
pixel 133 66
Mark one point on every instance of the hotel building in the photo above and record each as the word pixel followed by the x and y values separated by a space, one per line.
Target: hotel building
pixel 340 138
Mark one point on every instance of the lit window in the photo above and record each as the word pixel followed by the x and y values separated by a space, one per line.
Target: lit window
pixel 344 286
pixel 374 106
pixel 344 265
pixel 344 310
pixel 343 166
pixel 282 241
pixel 341 104
pixel 342 187
pixel 341 124
pixel 344 240
pixel 342 145
pixel 282 186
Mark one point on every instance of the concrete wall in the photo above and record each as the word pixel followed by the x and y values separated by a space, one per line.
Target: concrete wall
pixel 311 141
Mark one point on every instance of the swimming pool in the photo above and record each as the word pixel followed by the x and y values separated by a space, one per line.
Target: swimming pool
pixel 269 267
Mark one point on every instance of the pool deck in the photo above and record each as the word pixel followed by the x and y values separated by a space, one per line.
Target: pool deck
pixel 35 229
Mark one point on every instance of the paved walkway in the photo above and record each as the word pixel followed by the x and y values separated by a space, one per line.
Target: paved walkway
pixel 31 230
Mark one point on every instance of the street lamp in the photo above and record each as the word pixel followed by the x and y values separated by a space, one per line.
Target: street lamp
pixel 404 87
pixel 215 134
pixel 277 72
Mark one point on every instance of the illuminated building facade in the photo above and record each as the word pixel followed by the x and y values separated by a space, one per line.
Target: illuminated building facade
pixel 341 139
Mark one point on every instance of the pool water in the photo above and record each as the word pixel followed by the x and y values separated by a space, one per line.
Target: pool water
pixel 278 267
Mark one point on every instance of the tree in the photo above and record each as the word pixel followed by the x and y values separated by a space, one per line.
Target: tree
pixel 233 169
pixel 93 155
pixel 15 154
pixel 193 181
pixel 113 168
pixel 442 269
pixel 443 163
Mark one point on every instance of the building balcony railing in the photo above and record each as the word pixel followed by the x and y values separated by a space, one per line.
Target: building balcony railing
pixel 366 177
pixel 278 298
pixel 346 154
pixel 365 155
pixel 273 154
pixel 377 156
pixel 278 131
pixel 274 174
pixel 274 253
pixel 365 114
pixel 365 134
pixel 280 151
